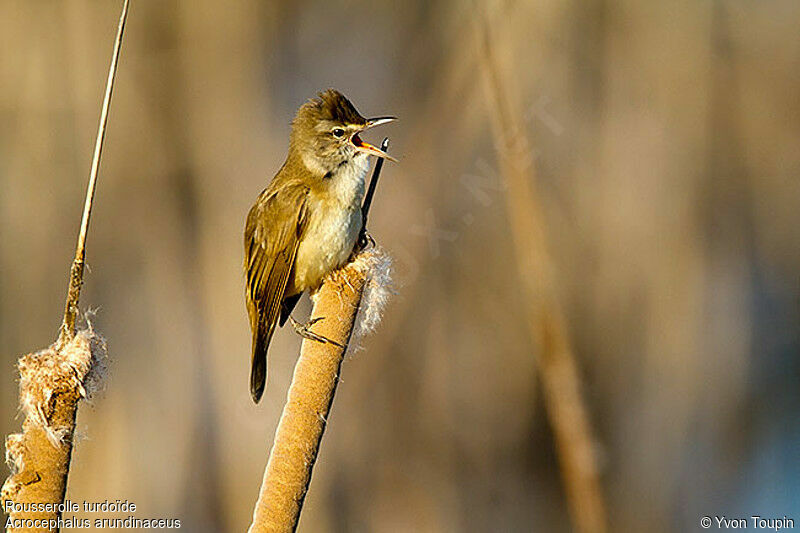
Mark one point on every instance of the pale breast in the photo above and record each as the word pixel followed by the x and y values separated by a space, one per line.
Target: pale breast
pixel 334 222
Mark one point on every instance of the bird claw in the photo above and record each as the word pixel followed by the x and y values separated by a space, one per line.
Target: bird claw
pixel 304 330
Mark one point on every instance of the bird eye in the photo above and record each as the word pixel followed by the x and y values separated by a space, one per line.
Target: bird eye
pixel 337 132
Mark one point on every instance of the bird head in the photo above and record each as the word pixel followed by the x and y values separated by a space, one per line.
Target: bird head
pixel 326 132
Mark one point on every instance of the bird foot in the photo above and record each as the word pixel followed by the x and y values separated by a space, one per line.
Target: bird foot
pixel 304 330
pixel 364 240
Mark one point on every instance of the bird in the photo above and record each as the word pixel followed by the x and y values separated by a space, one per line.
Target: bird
pixel 306 222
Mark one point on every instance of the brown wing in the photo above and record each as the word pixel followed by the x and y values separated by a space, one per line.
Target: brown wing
pixel 272 235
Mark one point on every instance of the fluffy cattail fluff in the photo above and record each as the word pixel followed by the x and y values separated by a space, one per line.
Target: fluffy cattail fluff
pixel 52 382
pixel 80 367
pixel 379 288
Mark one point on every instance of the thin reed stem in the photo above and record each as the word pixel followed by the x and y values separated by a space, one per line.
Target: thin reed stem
pixel 76 271
pixel 556 362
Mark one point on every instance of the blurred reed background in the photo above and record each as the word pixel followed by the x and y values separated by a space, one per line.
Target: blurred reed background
pixel 666 146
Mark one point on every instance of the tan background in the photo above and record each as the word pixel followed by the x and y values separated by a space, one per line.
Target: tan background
pixel 667 148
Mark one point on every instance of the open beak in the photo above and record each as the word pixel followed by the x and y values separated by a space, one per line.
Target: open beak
pixel 363 146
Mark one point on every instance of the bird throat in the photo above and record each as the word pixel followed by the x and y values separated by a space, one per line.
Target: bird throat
pixel 346 182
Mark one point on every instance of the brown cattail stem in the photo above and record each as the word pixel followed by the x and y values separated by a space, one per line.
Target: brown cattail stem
pixel 557 366
pixel 299 433
pixel 52 382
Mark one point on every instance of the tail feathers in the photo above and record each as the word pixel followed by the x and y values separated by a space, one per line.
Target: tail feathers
pixel 258 368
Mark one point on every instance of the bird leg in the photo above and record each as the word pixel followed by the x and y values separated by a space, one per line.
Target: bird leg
pixel 304 330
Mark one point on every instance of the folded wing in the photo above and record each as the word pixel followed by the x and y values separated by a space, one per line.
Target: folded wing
pixel 272 235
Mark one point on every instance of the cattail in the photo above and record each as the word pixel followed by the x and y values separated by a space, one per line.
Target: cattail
pixel 360 289
pixel 54 380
